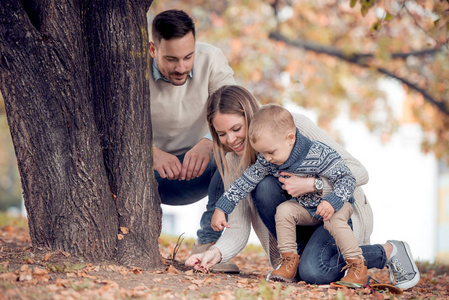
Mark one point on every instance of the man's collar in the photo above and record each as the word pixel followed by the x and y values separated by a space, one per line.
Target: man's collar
pixel 158 75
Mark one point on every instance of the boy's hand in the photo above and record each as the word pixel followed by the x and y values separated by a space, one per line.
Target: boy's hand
pixel 325 210
pixel 219 220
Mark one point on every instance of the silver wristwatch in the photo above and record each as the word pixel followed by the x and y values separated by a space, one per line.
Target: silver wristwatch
pixel 319 185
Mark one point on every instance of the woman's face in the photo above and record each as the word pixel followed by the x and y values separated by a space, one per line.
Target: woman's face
pixel 231 131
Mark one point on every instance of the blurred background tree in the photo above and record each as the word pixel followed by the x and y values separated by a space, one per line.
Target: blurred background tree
pixel 326 56
pixel 10 187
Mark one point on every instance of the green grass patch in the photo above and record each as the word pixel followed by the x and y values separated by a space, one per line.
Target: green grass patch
pixel 16 221
pixel 253 248
pixel 64 268
pixel 166 240
pixel 438 267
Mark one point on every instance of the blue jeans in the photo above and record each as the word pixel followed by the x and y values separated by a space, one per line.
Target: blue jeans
pixel 175 192
pixel 321 262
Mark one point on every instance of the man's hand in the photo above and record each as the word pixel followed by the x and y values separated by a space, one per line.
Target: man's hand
pixel 196 160
pixel 219 220
pixel 297 186
pixel 325 210
pixel 166 164
pixel 205 260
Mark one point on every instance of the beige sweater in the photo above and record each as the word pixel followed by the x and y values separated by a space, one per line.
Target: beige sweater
pixel 178 113
pixel 245 215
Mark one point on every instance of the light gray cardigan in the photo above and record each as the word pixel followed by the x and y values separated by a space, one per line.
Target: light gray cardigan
pixel 245 215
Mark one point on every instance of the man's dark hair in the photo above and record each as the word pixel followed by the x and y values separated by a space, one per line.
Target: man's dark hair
pixel 171 24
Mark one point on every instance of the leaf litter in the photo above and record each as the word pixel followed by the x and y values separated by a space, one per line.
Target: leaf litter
pixel 30 273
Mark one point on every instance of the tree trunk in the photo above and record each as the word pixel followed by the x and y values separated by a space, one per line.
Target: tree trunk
pixel 74 77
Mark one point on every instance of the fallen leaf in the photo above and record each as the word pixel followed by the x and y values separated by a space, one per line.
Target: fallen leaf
pixel 137 271
pixel 172 270
pixel 66 254
pixel 25 276
pixel 243 281
pixel 198 281
pixel 8 228
pixel 40 271
pixel 8 277
pixel 30 261
pixel 124 230
pixel 24 268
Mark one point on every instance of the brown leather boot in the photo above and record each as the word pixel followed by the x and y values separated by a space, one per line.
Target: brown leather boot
pixel 288 267
pixel 356 272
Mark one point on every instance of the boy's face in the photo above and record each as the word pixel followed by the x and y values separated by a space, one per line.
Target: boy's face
pixel 175 57
pixel 276 148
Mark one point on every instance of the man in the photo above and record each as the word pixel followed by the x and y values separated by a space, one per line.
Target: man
pixel 184 74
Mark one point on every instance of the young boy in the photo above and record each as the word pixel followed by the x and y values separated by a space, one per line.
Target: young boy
pixel 282 148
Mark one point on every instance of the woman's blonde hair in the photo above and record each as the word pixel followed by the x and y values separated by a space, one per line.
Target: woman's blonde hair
pixel 233 100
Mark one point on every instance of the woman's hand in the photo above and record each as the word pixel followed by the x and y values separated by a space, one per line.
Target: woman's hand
pixel 204 261
pixel 297 186
pixel 218 221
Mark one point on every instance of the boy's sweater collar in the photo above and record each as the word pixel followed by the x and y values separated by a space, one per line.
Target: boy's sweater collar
pixel 299 151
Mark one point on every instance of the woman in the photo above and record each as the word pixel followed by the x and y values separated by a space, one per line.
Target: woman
pixel 229 113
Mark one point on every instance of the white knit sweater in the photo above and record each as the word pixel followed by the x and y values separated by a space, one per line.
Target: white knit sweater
pixel 245 215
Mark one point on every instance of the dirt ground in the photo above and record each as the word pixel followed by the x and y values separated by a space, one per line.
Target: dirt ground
pixel 31 273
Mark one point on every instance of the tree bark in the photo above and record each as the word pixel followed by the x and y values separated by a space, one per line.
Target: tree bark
pixel 124 122
pixel 74 77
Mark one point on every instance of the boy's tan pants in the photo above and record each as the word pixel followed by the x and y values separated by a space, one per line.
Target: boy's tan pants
pixel 291 213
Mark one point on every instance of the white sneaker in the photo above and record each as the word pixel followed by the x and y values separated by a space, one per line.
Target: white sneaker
pixel 402 267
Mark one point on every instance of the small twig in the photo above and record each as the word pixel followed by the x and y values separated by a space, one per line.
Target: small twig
pixel 178 244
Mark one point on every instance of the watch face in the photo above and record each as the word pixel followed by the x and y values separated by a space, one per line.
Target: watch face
pixel 318 184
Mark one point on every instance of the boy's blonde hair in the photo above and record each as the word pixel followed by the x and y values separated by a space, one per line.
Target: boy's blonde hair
pixel 270 118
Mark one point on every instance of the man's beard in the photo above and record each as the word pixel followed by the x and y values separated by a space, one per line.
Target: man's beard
pixel 186 74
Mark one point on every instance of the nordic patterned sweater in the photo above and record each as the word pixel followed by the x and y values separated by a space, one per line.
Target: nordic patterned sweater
pixel 307 159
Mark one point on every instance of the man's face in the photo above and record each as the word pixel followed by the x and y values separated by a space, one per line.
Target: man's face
pixel 175 57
